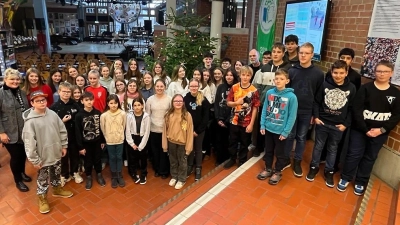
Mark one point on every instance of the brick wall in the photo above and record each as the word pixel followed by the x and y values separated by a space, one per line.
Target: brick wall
pixel 238 47
pixel 348 27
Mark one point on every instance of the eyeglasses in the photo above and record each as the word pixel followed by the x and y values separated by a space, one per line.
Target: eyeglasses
pixel 383 71
pixel 305 53
pixel 178 101
pixel 40 101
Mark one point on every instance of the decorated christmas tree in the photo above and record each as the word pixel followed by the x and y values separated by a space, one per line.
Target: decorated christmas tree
pixel 188 43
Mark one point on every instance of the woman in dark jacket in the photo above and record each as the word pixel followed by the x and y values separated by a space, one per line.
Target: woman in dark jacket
pixel 13 102
pixel 222 115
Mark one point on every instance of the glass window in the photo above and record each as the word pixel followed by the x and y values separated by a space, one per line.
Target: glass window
pixel 152 12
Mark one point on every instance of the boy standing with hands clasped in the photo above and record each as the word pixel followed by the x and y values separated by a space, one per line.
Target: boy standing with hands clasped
pixel 277 119
pixel 46 141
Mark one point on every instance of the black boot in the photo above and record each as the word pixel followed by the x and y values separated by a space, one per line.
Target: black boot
pixel 114 181
pixel 120 179
pixel 189 170
pixel 88 183
pixel 101 180
pixel 26 178
pixel 21 186
pixel 198 174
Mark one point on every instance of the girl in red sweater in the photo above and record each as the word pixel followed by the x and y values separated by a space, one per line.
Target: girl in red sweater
pixel 34 82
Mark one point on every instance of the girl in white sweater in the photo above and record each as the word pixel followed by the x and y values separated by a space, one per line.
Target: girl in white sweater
pixel 112 124
pixel 156 106
pixel 137 135
pixel 179 83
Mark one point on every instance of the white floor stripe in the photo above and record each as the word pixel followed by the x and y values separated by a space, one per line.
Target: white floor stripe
pixel 205 198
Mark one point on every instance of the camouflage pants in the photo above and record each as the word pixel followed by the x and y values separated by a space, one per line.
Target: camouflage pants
pixel 47 173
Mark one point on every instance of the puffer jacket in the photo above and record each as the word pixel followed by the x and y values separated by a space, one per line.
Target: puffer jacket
pixel 11 114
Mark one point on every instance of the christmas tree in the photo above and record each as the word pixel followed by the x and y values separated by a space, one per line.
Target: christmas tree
pixel 187 44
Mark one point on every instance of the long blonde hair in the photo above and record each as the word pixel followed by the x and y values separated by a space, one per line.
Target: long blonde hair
pixel 199 96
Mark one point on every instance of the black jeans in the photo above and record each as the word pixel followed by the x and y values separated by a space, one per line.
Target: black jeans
pixel 196 156
pixel 209 140
pixel 238 134
pixel 260 140
pixel 274 146
pixel 137 159
pixel 17 161
pixel 161 159
pixel 222 143
pixel 330 135
pixel 92 157
pixel 70 162
pixel 361 156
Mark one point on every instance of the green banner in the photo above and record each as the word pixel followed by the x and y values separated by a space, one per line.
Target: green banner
pixel 266 25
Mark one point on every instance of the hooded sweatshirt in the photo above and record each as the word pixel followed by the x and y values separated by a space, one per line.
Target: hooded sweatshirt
pixel 112 125
pixel 87 127
pixel 106 82
pixel 354 77
pixel 333 102
pixel 199 113
pixel 279 111
pixel 44 136
pixel 292 61
pixel 144 131
pixel 221 109
pixel 305 82
pixel 264 78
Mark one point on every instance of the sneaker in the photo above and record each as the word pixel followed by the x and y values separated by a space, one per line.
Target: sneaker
pixel 265 174
pixel 136 179
pixel 312 173
pixel 229 164
pixel 172 182
pixel 288 165
pixel 179 185
pixel 143 180
pixel 251 147
pixel 88 183
pixel 359 190
pixel 329 179
pixel 60 192
pixel 297 171
pixel 276 177
pixel 100 180
pixel 198 174
pixel 125 162
pixel 103 165
pixel 342 185
pixel 64 180
pixel 78 179
pixel 189 171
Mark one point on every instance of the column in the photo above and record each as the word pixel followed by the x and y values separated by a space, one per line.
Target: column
pixel 81 17
pixel 40 10
pixel 171 7
pixel 216 25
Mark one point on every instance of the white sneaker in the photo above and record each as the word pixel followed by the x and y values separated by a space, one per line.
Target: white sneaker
pixel 63 180
pixel 172 182
pixel 125 162
pixel 78 179
pixel 251 147
pixel 179 185
pixel 103 165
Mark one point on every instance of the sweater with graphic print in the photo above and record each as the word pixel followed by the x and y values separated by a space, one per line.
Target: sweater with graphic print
pixel 241 114
pixel 374 108
pixel 87 127
pixel 333 102
pixel 279 111
pixel 199 113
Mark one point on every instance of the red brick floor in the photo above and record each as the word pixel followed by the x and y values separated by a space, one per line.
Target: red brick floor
pixel 246 201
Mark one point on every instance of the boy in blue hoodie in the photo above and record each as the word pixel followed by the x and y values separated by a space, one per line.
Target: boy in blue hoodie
pixel 277 119
pixel 332 116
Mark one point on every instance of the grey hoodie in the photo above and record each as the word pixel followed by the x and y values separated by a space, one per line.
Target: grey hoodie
pixel 44 137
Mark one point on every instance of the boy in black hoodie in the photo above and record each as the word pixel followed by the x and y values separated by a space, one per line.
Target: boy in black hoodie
pixel 90 139
pixel 264 81
pixel 305 79
pixel 66 108
pixel 375 113
pixel 332 116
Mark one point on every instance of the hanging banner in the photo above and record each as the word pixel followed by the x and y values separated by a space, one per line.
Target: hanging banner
pixel 266 25
pixel 383 39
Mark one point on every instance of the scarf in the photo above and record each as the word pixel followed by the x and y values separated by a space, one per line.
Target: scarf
pixel 132 96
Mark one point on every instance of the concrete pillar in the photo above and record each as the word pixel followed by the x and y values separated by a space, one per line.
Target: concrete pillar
pixel 216 25
pixel 81 16
pixel 40 11
pixel 171 8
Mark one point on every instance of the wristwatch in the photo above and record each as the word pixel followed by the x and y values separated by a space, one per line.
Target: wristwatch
pixel 383 130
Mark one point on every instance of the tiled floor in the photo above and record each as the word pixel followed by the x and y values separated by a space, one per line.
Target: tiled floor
pixel 245 201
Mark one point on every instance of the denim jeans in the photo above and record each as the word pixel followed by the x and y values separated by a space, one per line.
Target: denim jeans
pixel 361 156
pixel 115 157
pixel 299 132
pixel 326 134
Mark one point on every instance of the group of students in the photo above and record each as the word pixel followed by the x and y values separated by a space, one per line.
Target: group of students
pixel 173 121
